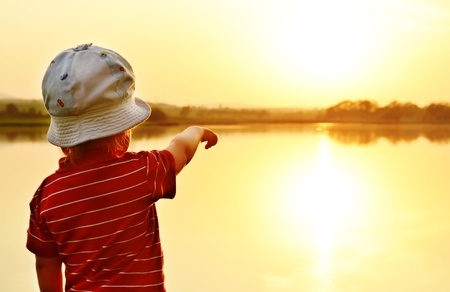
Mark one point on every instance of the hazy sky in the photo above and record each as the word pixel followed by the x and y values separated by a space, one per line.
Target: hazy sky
pixel 276 53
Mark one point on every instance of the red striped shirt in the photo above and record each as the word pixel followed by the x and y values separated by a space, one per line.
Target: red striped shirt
pixel 100 220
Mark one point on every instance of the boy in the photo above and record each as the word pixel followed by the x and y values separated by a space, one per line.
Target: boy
pixel 96 213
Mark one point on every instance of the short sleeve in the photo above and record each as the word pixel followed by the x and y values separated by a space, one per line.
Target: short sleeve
pixel 161 174
pixel 39 239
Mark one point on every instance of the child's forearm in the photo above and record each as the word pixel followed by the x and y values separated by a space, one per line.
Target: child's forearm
pixel 184 145
pixel 190 138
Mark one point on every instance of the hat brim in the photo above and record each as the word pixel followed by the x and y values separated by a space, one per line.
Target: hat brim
pixel 69 131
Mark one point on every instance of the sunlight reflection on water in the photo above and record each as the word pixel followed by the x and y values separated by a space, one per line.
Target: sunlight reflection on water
pixel 323 200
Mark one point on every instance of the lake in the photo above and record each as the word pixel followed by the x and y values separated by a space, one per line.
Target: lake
pixel 314 207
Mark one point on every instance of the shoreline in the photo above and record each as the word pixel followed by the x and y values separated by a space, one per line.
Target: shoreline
pixel 33 113
pixel 45 121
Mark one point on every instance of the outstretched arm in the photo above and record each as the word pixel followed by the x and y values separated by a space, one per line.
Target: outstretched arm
pixel 49 274
pixel 184 145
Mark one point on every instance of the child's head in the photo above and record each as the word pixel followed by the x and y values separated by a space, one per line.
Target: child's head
pixel 88 92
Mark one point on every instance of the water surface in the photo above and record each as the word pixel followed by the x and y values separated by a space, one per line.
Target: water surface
pixel 321 207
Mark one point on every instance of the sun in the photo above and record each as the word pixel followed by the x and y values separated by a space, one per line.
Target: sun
pixel 323 41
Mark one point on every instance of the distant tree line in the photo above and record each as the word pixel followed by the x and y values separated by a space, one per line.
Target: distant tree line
pixel 395 112
pixel 222 112
pixel 361 111
pixel 12 110
pixel 192 114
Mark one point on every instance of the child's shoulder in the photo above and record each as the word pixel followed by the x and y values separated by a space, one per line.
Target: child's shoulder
pixel 152 157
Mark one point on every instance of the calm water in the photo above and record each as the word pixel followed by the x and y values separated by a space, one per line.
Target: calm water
pixel 276 208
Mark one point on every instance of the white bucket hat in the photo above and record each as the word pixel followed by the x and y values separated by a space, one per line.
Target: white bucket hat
pixel 88 92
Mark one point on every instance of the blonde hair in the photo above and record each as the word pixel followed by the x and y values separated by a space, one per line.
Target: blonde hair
pixel 115 145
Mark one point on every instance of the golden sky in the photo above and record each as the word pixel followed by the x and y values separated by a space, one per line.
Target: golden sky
pixel 269 53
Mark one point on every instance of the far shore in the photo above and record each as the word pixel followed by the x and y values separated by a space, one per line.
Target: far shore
pixel 33 113
pixel 45 122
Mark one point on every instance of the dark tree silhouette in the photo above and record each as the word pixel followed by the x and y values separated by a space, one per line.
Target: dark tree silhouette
pixel 12 110
pixel 184 111
pixel 157 115
pixel 437 112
